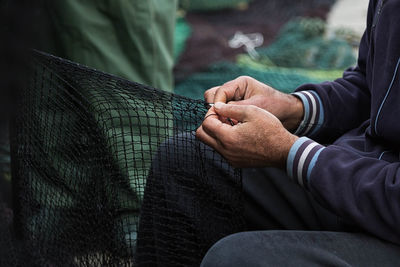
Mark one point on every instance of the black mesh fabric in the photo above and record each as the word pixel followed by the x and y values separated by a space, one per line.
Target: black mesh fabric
pixel 83 147
pixel 7 253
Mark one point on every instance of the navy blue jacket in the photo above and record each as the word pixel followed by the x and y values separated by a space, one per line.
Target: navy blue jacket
pixel 358 176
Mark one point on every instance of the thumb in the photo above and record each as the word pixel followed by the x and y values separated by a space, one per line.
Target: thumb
pixel 241 102
pixel 239 113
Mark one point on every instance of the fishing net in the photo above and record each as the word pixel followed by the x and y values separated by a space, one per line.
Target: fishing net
pixel 5 168
pixel 7 255
pixel 212 31
pixel 300 54
pixel 282 79
pixel 209 34
pixel 13 252
pixel 84 146
pixel 301 43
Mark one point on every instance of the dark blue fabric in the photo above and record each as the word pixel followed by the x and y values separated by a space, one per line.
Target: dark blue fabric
pixel 358 177
pixel 270 201
pixel 300 248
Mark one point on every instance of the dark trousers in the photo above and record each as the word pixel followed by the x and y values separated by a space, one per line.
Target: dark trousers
pixel 289 228
pixel 284 225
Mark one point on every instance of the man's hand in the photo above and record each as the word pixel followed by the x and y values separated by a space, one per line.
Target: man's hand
pixel 257 140
pixel 248 91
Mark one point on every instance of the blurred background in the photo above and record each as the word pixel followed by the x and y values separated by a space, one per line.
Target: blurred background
pixel 283 43
pixel 181 46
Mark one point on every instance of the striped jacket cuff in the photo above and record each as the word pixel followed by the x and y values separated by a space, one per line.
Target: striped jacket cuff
pixel 301 160
pixel 313 113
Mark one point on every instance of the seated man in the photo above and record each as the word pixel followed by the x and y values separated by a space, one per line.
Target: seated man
pixel 345 209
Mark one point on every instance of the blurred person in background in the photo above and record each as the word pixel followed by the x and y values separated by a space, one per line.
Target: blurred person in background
pixel 130 39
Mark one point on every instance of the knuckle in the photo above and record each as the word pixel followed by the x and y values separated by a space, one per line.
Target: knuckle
pixel 211 91
pixel 243 77
pixel 227 84
pixel 209 128
pixel 199 133
pixel 252 109
pixel 206 123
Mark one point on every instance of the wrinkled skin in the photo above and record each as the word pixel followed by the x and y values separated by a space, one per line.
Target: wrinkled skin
pixel 262 116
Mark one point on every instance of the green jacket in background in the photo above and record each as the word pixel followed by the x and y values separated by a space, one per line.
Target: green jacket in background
pixel 132 39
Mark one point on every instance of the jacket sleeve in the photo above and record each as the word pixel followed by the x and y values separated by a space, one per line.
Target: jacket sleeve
pixel 362 190
pixel 333 108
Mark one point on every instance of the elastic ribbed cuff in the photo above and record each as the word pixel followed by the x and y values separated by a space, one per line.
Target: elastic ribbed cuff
pixel 313 113
pixel 301 160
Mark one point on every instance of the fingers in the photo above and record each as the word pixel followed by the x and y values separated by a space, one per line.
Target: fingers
pixel 233 90
pixel 236 112
pixel 242 102
pixel 214 125
pixel 206 138
pixel 214 132
pixel 210 94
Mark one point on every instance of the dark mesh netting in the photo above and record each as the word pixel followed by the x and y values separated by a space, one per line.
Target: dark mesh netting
pixel 101 168
pixel 7 253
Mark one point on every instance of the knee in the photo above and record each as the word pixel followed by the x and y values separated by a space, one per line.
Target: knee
pixel 228 252
pixel 173 165
pixel 174 151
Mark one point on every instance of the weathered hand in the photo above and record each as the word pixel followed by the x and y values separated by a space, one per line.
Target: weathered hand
pixel 248 91
pixel 258 140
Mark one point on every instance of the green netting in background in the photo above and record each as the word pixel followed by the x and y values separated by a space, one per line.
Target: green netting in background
pixel 300 54
pixel 204 5
pixel 301 44
pixel 283 79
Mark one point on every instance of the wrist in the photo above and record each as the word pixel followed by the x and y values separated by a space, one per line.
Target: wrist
pixel 285 146
pixel 295 113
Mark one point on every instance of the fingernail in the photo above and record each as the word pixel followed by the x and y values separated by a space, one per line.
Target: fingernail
pixel 218 105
